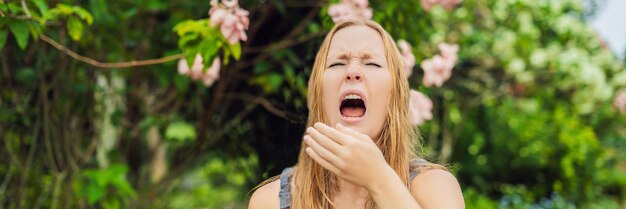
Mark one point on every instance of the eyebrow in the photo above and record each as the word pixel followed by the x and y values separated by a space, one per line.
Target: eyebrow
pixel 347 55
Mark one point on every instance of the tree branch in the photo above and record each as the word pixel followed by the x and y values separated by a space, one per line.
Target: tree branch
pixel 96 63
pixel 267 105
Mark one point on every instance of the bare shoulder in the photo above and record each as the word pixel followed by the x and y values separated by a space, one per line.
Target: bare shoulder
pixel 437 188
pixel 266 196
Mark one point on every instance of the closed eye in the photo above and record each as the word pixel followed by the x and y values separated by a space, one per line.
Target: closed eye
pixel 373 64
pixel 336 64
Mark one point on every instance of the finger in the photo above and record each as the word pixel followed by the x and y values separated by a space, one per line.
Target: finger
pixel 351 132
pixel 332 133
pixel 326 142
pixel 317 158
pixel 320 150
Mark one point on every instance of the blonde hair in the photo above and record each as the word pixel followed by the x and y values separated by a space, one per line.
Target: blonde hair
pixel 313 185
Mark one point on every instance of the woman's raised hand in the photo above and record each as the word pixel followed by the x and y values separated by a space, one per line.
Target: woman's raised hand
pixel 351 155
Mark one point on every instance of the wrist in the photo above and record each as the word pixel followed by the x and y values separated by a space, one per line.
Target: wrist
pixel 388 177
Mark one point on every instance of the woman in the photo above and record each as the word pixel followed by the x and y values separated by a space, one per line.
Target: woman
pixel 358 147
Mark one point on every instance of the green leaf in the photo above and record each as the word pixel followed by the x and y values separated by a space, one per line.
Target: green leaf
pixel 180 131
pixel 35 30
pixel 190 56
pixel 94 193
pixel 64 9
pixel 42 6
pixel 208 51
pixel 3 38
pixel 83 14
pixel 75 28
pixel 189 26
pixel 188 39
pixel 236 50
pixel 50 15
pixel 20 31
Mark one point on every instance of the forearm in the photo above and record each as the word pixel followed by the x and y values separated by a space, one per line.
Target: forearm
pixel 390 193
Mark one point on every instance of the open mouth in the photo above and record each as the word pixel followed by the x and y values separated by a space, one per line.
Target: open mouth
pixel 352 106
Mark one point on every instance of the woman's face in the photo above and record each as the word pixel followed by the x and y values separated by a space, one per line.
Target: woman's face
pixel 357 83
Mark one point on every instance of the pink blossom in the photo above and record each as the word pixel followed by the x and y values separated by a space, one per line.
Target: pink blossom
pixel 448 4
pixel 449 51
pixel 439 68
pixel 213 73
pixel 420 107
pixel 620 101
pixel 407 57
pixel 197 72
pixel 233 20
pixel 350 9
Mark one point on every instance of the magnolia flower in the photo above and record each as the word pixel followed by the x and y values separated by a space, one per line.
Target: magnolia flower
pixel 233 20
pixel 448 4
pixel 620 101
pixel 196 71
pixel 407 57
pixel 439 68
pixel 350 9
pixel 420 107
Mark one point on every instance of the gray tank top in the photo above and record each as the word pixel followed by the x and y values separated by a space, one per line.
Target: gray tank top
pixel 285 188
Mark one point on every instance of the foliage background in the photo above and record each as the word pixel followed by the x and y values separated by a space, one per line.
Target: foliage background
pixel 526 119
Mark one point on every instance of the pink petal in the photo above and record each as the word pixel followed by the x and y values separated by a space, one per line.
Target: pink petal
pixel 233 38
pixel 213 73
pixel 333 10
pixel 230 19
pixel 218 17
pixel 214 70
pixel 420 107
pixel 409 63
pixel 449 50
pixel 227 30
pixel 183 68
pixel 243 36
pixel 196 68
pixel 242 15
pixel 239 26
pixel 404 46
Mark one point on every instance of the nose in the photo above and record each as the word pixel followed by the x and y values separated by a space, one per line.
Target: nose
pixel 354 73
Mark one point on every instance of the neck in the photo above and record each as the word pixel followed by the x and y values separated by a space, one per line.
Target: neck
pixel 347 187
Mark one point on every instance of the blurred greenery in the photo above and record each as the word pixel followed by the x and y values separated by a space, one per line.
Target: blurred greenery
pixel 526 118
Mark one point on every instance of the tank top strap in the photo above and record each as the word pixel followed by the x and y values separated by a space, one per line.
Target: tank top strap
pixel 415 165
pixel 285 189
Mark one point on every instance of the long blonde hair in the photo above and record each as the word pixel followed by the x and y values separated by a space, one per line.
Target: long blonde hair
pixel 314 185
